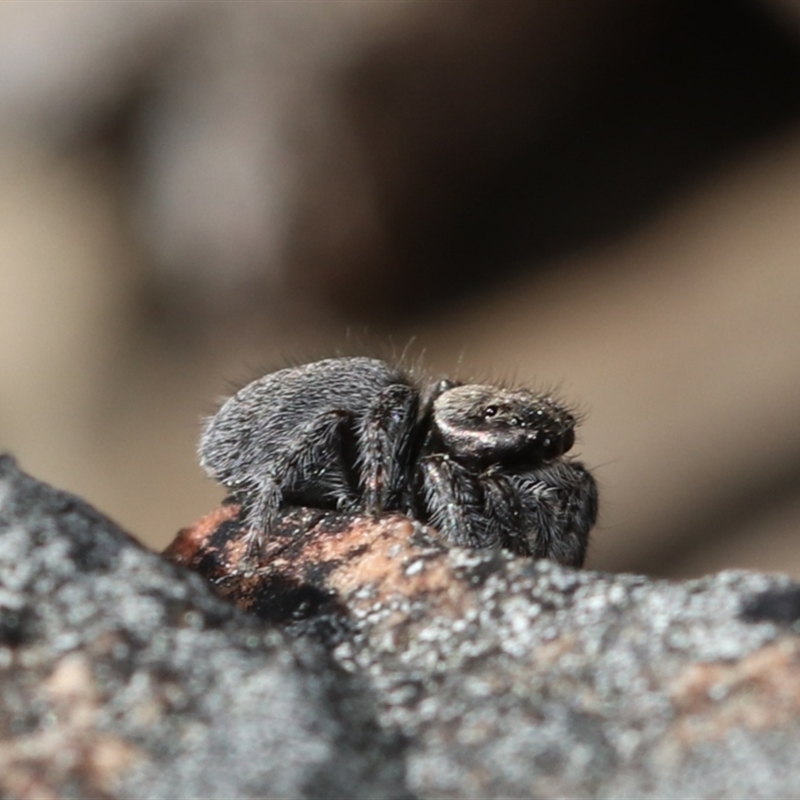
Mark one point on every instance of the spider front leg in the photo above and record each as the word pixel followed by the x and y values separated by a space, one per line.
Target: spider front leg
pixel 310 469
pixel 504 512
pixel 385 439
pixel 455 503
pixel 559 508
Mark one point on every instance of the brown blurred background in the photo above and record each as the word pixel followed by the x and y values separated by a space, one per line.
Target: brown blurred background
pixel 598 196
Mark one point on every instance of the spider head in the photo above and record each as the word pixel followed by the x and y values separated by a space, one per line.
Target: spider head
pixel 483 425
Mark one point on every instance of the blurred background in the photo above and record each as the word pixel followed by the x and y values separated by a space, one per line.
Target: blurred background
pixel 602 197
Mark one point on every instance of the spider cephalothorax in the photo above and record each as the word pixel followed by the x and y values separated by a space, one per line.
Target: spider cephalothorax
pixel 485 465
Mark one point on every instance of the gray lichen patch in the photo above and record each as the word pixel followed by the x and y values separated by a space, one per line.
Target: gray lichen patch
pixel 121 675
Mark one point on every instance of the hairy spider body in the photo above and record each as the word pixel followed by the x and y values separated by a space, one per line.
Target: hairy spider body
pixel 484 465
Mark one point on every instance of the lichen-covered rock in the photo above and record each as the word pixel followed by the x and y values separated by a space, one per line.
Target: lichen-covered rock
pixel 121 675
pixel 448 672
pixel 517 678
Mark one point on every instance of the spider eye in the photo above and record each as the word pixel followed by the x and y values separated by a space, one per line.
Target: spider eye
pixel 490 411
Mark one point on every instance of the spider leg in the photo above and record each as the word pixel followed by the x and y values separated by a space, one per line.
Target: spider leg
pixel 260 515
pixel 504 512
pixel 314 458
pixel 559 504
pixel 385 439
pixel 455 504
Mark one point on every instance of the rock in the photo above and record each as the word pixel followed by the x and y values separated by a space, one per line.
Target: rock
pixel 121 675
pixel 387 666
pixel 517 678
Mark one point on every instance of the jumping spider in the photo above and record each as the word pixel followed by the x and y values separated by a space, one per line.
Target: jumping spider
pixel 484 465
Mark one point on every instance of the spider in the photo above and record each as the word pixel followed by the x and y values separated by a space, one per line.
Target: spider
pixel 484 465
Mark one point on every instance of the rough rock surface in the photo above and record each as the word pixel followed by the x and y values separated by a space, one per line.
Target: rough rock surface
pixel 121 675
pixel 390 667
pixel 515 678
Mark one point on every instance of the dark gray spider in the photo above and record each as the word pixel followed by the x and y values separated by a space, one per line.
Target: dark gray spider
pixel 482 464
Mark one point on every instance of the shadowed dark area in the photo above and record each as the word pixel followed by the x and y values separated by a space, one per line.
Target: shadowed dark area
pixel 776 605
pixel 658 116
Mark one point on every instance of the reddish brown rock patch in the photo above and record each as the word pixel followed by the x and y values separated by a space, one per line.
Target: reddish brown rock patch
pixel 318 556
